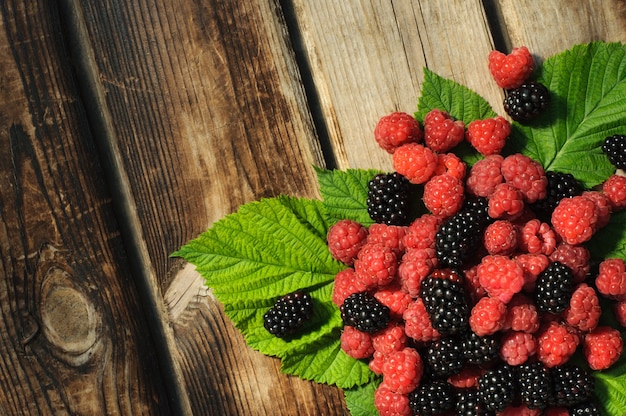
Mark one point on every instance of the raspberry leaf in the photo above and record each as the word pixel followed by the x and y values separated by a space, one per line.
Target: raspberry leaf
pixel 360 399
pixel 611 388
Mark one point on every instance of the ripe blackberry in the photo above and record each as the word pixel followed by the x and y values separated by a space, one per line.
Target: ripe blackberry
pixel 288 314
pixel 497 387
pixel 535 385
pixel 388 199
pixel 445 301
pixel 480 350
pixel 554 287
pixel 614 147
pixel 458 236
pixel 468 403
pixel 571 385
pixel 432 398
pixel 560 185
pixel 526 102
pixel 364 312
pixel 587 408
pixel 444 357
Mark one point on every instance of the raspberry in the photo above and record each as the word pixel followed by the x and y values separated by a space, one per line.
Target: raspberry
pixel 387 235
pixel 402 371
pixel 442 132
pixel 603 347
pixel 480 350
pixel 615 189
pixel 390 403
pixel 501 276
pixel 396 129
pixel 445 299
pixel 571 385
pixel 472 285
pixel 416 264
pixel 417 324
pixel 527 175
pixel 614 147
pixel 393 338
pixel 376 362
pixel 619 310
pixel 388 198
pixel 345 239
pixel 506 202
pixel 521 315
pixel 520 410
pixel 583 312
pixel 611 279
pixel 357 344
pixel 497 387
pixel 553 288
pixel 364 312
pixel 444 357
pixel 603 204
pixel 556 411
pixel 532 264
pixel 485 175
pixel 535 385
pixel 487 316
pixel 422 231
pixel 376 265
pixel 467 378
pixel 346 283
pixel 575 257
pixel 526 102
pixel 451 164
pixel 510 71
pixel 575 219
pixel 556 343
pixel 488 136
pixel 517 347
pixel 560 185
pixel 432 398
pixel 458 236
pixel 289 314
pixel 468 403
pixel 395 298
pixel 443 195
pixel 416 162
pixel 537 237
pixel 500 237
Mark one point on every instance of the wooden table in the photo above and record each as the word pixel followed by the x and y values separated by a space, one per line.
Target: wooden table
pixel 129 127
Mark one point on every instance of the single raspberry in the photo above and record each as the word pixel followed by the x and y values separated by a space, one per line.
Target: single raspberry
pixel 603 347
pixel 444 195
pixel 527 102
pixel 611 279
pixel 393 338
pixel 535 385
pixel 615 189
pixel 387 235
pixel 289 314
pixel 510 71
pixel 527 175
pixel 571 385
pixel 442 132
pixel 480 350
pixel 506 202
pixel 583 312
pixel 444 357
pixel 388 198
pixel 522 315
pixel 472 284
pixel 501 276
pixel 487 316
pixel 614 147
pixel 345 239
pixel 537 237
pixel 553 288
pixel 432 398
pixel 396 129
pixel 575 219
pixel 560 185
pixel 416 162
pixel 485 175
pixel 402 371
pixel 422 231
pixel 517 347
pixel 445 299
pixel 532 264
pixel 395 298
pixel 357 344
pixel 576 257
pixel 467 378
pixel 603 204
pixel 451 164
pixel 458 236
pixel 469 403
pixel 556 343
pixel 416 264
pixel 488 136
pixel 390 403
pixel 619 310
pixel 497 387
pixel 500 237
pixel 376 265
pixel 364 312
pixel 346 283
pixel 417 324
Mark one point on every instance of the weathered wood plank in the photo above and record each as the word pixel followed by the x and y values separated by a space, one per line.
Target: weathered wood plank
pixel 73 336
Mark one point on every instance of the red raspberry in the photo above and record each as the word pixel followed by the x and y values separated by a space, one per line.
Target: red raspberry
pixel 516 347
pixel 533 265
pixel 415 162
pixel 583 312
pixel 422 231
pixel 376 362
pixel 510 71
pixel 556 343
pixel 487 316
pixel 527 175
pixel 417 324
pixel 451 164
pixel 390 403
pixel 345 239
pixel 537 238
pixel 346 283
pixel 575 219
pixel 575 257
pixel 387 235
pixel 603 347
pixel 485 175
pixel 402 371
pixel 521 315
pixel 396 129
pixel 357 344
pixel 619 310
pixel 500 237
pixel 442 132
pixel 501 276
pixel 444 195
pixel 395 298
pixel 520 410
pixel 603 203
pixel 416 264
pixel 488 136
pixel 376 265
pixel 466 378
pixel 615 189
pixel 611 279
pixel 472 284
pixel 556 411
pixel 506 201
pixel 393 338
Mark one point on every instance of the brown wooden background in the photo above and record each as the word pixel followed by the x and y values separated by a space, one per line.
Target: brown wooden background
pixel 127 127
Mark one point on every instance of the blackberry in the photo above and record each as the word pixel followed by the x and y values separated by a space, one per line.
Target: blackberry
pixel 560 185
pixel 480 205
pixel 444 357
pixel 468 403
pixel 571 385
pixel 445 300
pixel 288 314
pixel 535 385
pixel 458 237
pixel 554 287
pixel 480 350
pixel 587 408
pixel 614 147
pixel 432 398
pixel 526 102
pixel 497 387
pixel 388 199
pixel 364 312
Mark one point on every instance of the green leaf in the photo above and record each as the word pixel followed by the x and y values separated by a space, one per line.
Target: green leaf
pixel 360 400
pixel 611 388
pixel 610 241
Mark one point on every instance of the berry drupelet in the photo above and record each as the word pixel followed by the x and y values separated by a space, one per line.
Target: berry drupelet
pixel 527 102
pixel 289 314
pixel 614 147
pixel 388 199
pixel 364 312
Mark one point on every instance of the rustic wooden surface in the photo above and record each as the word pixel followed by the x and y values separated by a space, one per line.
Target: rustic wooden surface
pixel 129 127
